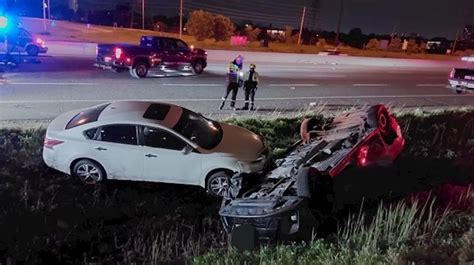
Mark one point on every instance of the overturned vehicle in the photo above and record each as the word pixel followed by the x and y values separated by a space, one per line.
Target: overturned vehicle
pixel 288 202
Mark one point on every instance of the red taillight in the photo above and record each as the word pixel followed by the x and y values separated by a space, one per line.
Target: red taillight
pixel 118 53
pixel 451 74
pixel 362 160
pixel 51 143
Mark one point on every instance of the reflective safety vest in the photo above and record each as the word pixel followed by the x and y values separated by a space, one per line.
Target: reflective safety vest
pixel 233 72
pixel 254 78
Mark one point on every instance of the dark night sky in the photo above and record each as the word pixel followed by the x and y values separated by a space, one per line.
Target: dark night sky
pixel 429 18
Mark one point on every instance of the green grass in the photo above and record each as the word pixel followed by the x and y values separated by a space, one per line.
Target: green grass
pixel 395 234
pixel 49 218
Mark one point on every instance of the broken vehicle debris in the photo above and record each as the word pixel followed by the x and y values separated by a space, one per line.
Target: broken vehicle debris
pixel 288 202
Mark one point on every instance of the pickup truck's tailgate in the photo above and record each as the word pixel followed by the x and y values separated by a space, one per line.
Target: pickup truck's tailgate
pixel 104 50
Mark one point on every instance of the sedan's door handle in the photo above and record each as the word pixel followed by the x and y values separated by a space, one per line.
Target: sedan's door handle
pixel 101 148
pixel 150 155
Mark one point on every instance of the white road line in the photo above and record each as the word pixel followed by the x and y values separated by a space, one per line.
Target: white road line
pixel 374 85
pixel 293 85
pixel 218 99
pixel 51 84
pixel 431 85
pixel 203 85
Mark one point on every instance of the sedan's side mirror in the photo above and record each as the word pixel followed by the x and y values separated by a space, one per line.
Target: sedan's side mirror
pixel 187 149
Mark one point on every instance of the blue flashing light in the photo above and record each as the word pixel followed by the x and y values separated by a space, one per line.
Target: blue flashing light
pixel 3 22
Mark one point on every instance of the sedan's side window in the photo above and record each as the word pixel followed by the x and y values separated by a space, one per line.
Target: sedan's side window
pixel 90 134
pixel 154 137
pixel 120 133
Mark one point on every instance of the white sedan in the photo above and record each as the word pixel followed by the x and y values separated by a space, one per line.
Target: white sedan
pixel 151 141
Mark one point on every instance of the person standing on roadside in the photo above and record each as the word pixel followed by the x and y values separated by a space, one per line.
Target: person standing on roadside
pixel 251 79
pixel 234 80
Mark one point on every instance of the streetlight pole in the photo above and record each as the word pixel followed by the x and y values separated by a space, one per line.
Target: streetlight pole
pixel 44 15
pixel 49 10
pixel 143 14
pixel 341 10
pixel 180 18
pixel 301 25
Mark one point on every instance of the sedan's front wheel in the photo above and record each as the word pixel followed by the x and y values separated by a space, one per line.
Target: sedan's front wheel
pixel 218 183
pixel 88 171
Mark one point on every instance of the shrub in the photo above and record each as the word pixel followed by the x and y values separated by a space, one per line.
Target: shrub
pixel 395 45
pixel 201 25
pixel 373 45
pixel 223 28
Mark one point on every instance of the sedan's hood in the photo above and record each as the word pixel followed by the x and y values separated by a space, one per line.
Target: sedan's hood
pixel 239 142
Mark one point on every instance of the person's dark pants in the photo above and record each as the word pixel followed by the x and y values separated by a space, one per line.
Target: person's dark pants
pixel 231 87
pixel 249 97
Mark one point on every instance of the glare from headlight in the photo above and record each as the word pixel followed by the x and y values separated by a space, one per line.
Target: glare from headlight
pixel 294 218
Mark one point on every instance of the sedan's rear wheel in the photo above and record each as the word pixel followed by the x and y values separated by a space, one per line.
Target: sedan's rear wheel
pixel 88 171
pixel 218 183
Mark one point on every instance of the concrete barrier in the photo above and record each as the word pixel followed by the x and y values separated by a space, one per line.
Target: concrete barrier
pixel 81 49
pixel 224 56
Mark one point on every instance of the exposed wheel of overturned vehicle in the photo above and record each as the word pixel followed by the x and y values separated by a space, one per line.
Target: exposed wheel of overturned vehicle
pixel 88 171
pixel 139 70
pixel 378 117
pixel 198 66
pixel 217 183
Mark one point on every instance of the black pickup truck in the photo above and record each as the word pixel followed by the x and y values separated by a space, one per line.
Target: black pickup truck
pixel 154 52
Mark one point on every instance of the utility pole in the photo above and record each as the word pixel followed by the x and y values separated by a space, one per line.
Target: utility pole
pixel 49 10
pixel 392 35
pixel 44 15
pixel 455 42
pixel 180 18
pixel 143 14
pixel 341 11
pixel 301 25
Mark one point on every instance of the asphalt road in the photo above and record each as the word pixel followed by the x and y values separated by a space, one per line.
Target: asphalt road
pixel 288 83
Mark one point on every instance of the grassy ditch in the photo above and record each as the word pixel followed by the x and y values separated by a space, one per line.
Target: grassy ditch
pixel 49 218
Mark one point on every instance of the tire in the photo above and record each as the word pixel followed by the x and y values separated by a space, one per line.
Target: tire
pixel 458 91
pixel 139 70
pixel 32 50
pixel 218 183
pixel 198 67
pixel 378 117
pixel 116 70
pixel 89 172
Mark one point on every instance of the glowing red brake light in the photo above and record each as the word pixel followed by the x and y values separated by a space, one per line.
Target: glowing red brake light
pixel 118 53
pixel 51 143
pixel 362 160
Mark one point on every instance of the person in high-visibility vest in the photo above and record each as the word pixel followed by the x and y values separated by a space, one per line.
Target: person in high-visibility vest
pixel 234 80
pixel 250 79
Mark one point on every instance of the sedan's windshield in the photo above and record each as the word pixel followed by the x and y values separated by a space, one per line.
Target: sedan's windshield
pixel 200 130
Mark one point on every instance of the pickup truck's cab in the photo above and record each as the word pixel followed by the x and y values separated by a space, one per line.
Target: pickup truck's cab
pixel 153 52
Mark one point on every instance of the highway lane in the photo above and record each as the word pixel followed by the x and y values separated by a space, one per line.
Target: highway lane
pixel 58 84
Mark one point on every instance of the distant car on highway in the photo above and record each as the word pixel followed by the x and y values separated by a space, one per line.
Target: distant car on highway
pixel 468 58
pixel 461 79
pixel 161 53
pixel 151 141
pixel 23 41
